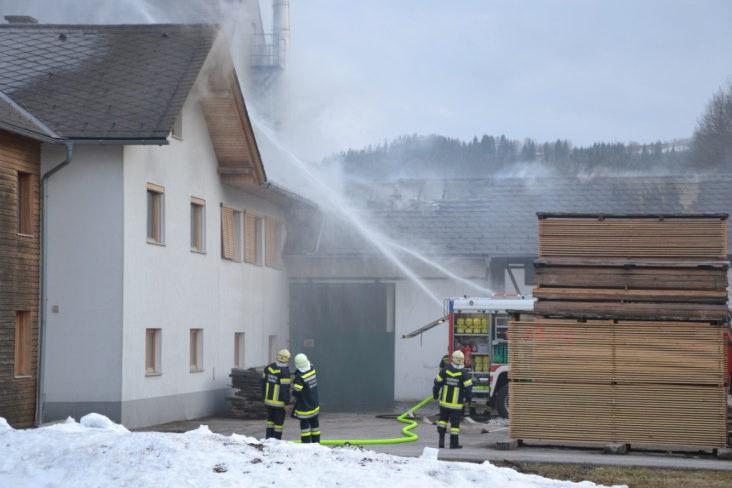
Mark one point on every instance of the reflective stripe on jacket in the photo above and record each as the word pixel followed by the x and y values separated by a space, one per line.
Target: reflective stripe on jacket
pixel 305 390
pixel 453 387
pixel 276 381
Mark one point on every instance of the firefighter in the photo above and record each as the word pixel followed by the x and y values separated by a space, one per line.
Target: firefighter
pixel 453 388
pixel 276 379
pixel 307 405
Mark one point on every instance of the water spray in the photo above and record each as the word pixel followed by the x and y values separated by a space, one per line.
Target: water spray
pixel 344 208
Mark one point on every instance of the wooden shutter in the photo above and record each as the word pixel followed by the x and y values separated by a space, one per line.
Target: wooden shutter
pixel 250 238
pixel 22 344
pixel 271 242
pixel 227 233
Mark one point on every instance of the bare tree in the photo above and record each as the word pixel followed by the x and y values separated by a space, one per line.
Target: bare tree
pixel 712 143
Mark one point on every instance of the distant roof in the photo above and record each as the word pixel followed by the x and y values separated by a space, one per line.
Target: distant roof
pixel 498 217
pixel 98 81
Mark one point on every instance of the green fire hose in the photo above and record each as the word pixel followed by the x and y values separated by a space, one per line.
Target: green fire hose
pixel 408 435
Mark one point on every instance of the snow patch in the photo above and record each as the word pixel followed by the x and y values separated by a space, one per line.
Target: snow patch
pixel 4 425
pixel 98 421
pixel 430 453
pixel 93 454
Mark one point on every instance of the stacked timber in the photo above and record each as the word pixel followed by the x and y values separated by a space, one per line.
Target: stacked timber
pixel 248 399
pixel 627 344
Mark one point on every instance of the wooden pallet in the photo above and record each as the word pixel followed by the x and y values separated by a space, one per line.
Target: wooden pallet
pixel 633 237
pixel 643 311
pixel 627 352
pixel 652 415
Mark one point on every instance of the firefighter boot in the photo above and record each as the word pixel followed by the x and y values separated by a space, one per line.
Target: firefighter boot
pixel 454 444
pixel 277 435
pixel 441 433
pixel 315 437
pixel 270 433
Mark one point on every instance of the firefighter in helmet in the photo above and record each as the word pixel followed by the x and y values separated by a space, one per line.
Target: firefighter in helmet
pixel 276 380
pixel 453 388
pixel 307 405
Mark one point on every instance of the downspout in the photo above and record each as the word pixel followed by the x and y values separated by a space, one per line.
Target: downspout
pixel 40 389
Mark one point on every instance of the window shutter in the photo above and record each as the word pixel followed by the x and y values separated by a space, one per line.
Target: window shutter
pixel 270 255
pixel 250 238
pixel 227 233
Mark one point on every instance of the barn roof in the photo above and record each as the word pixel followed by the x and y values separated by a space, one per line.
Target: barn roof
pixel 90 82
pixel 498 217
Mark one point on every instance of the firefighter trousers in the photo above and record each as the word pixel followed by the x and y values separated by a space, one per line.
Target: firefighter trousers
pixel 452 416
pixel 275 422
pixel 310 430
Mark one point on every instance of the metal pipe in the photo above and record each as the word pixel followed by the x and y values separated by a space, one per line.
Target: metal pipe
pixel 42 300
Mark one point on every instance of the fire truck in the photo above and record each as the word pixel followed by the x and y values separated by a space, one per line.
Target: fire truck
pixel 479 328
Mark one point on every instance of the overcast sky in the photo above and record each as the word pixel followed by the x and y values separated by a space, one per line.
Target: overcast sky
pixel 587 70
pixel 578 69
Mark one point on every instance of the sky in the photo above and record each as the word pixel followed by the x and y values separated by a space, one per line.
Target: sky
pixel 362 71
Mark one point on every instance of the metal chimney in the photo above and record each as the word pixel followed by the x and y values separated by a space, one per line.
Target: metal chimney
pixel 281 29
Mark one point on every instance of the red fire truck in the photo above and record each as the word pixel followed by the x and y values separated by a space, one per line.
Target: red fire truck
pixel 478 327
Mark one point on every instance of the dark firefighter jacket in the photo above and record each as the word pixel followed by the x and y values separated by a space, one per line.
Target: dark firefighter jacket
pixel 276 380
pixel 453 387
pixel 305 389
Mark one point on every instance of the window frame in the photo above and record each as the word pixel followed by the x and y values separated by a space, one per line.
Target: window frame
pixel 156 350
pixel 240 349
pixel 24 204
pixel 23 350
pixel 198 204
pixel 195 350
pixel 158 192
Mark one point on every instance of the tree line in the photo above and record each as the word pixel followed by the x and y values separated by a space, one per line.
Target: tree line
pixel 710 149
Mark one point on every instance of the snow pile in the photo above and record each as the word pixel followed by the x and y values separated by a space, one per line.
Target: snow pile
pixel 4 425
pixel 99 453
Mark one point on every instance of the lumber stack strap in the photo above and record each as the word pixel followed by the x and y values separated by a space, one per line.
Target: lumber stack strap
pixel 668 236
pixel 652 415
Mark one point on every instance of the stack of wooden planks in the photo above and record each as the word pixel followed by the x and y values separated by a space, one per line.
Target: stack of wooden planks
pixel 248 400
pixel 627 342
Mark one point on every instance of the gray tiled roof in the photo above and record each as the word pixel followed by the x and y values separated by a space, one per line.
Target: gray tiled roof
pixel 100 81
pixel 498 217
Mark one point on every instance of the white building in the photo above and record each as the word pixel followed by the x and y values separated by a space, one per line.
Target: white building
pixel 162 266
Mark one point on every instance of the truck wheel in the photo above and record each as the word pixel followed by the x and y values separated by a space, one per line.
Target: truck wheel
pixel 502 400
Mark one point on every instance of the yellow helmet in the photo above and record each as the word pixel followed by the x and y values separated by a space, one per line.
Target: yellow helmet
pixel 458 357
pixel 283 356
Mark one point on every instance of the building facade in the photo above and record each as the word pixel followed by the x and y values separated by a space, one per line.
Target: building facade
pixel 20 247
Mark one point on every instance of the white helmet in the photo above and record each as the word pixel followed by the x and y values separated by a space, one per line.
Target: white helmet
pixel 458 358
pixel 302 362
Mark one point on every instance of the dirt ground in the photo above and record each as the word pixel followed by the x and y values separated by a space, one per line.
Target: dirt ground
pixel 634 477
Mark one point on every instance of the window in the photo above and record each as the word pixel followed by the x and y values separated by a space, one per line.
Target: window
pixel 272 346
pixel 25 204
pixel 274 242
pixel 198 225
pixel 196 350
pixel 177 130
pixel 23 344
pixel 239 349
pixel 155 214
pixel 259 239
pixel 231 234
pixel 152 351
pixel 250 238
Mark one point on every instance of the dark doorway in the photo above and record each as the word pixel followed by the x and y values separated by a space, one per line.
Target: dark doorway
pixel 347 331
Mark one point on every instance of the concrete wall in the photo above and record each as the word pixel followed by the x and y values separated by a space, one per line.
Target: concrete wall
pixel 83 345
pixel 174 289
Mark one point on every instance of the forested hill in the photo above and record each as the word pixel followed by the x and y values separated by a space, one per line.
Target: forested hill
pixel 436 156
